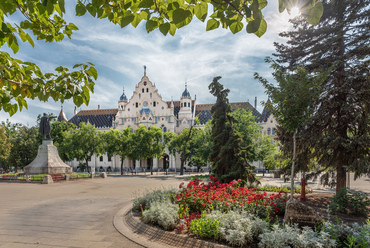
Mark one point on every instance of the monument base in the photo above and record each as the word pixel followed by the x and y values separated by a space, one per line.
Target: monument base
pixel 47 161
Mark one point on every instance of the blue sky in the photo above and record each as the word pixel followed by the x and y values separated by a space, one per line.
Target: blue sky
pixel 192 55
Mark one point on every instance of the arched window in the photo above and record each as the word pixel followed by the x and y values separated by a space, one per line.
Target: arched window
pixel 181 105
pixel 273 131
pixel 142 90
pixel 268 131
pixel 147 89
pixel 154 104
pixel 165 129
pixel 101 158
pixel 151 95
pixel 137 105
pixel 139 95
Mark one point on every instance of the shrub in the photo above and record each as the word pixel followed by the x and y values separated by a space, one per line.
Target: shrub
pixel 237 228
pixel 347 202
pixel 144 202
pixel 205 227
pixel 162 213
pixel 346 236
pixel 292 236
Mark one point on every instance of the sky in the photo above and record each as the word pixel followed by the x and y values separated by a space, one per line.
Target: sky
pixel 193 55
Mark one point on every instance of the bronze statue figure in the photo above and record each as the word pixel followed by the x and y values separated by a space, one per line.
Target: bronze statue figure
pixel 45 126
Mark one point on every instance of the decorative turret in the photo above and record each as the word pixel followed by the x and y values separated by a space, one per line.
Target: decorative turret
pixel 185 105
pixel 123 96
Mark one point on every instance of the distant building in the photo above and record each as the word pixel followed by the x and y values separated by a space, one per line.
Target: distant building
pixel 147 107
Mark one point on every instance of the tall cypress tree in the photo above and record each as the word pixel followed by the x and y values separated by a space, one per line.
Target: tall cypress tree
pixel 338 131
pixel 228 157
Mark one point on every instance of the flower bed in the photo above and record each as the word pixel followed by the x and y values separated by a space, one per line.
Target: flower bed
pixel 240 216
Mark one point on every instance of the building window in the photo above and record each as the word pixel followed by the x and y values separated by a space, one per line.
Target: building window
pixel 273 131
pixel 101 159
pixel 154 104
pixel 142 90
pixel 268 131
pixel 147 89
pixel 150 95
pixel 128 109
pixel 165 129
pixel 109 159
pixel 144 83
pixel 139 95
pixel 181 105
pixel 137 105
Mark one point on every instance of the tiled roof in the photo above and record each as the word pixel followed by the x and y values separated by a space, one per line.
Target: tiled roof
pixel 97 117
pixel 266 112
pixel 62 116
pixel 203 111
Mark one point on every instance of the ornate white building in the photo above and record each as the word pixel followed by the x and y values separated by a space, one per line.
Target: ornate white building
pixel 147 107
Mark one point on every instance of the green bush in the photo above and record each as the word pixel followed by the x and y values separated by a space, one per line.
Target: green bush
pixel 205 227
pixel 347 202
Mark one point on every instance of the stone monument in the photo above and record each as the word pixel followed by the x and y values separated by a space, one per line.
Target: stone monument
pixel 47 160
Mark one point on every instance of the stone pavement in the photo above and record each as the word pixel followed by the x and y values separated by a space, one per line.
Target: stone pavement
pixel 81 213
pixel 70 214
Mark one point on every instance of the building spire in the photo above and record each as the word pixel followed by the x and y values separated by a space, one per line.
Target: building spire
pixel 144 70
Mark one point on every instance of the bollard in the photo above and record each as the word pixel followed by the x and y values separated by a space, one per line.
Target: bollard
pixel 303 190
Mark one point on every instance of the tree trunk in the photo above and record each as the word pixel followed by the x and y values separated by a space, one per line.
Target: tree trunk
pixel 182 158
pixel 151 166
pixel 293 163
pixel 341 176
pixel 87 165
pixel 121 166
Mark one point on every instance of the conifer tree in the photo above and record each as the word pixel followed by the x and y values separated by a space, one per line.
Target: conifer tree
pixel 228 158
pixel 338 131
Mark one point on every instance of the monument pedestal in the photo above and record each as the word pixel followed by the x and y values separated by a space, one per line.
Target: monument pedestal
pixel 47 161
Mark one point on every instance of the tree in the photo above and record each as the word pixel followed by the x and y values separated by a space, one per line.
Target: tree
pixel 5 148
pixel 148 144
pixel 338 130
pixel 20 80
pixel 82 143
pixel 118 143
pixel 292 101
pixel 181 144
pixel 58 128
pixel 24 146
pixel 229 158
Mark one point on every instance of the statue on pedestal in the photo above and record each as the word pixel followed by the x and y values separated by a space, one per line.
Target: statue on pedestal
pixel 45 126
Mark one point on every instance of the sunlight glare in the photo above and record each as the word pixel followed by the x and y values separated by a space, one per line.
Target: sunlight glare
pixel 294 12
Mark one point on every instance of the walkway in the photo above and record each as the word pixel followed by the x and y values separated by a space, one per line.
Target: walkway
pixel 70 214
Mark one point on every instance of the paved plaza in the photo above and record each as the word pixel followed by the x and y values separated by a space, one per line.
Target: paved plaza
pixel 70 214
pixel 80 213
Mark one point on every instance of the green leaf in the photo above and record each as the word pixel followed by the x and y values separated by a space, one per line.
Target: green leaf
pixel 253 26
pixel 201 11
pixel 179 15
pixel 61 6
pixel 262 4
pixel 248 12
pixel 13 44
pixel 126 20
pixel 315 14
pixel 91 9
pixel 146 3
pixel 136 20
pixel 93 72
pixel 80 9
pixel 282 5
pixel 164 28
pixel 151 25
pixel 212 24
pixel 236 27
pixel 172 30
pixel 262 28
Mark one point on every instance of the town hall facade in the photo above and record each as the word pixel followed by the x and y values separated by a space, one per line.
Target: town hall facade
pixel 147 107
